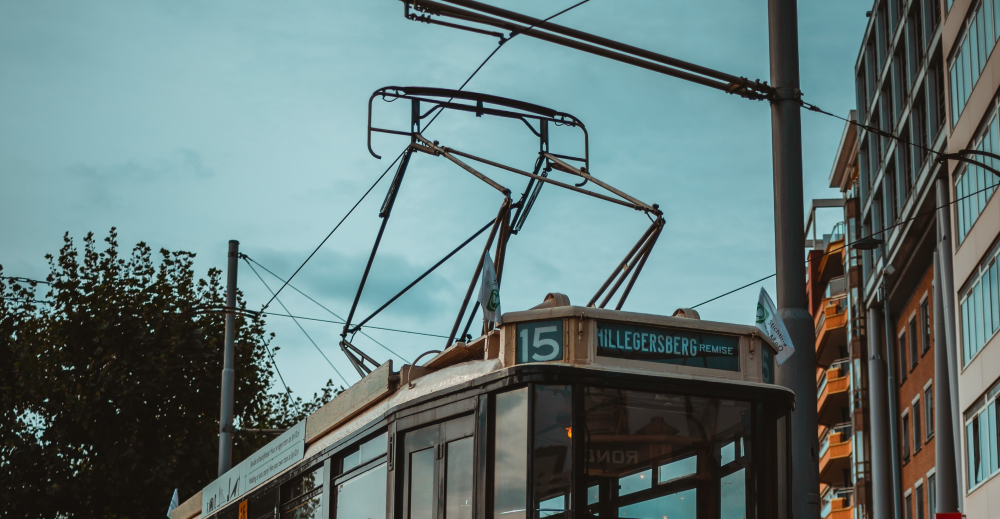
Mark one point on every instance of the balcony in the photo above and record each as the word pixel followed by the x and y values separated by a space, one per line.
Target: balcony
pixel 833 393
pixel 837 503
pixel 835 455
pixel 831 330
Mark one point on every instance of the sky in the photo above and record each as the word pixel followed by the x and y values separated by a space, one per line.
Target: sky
pixel 185 124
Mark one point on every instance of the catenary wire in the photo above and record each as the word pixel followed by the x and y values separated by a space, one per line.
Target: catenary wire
pixel 842 247
pixel 313 253
pixel 25 280
pixel 372 327
pixel 296 321
pixel 331 312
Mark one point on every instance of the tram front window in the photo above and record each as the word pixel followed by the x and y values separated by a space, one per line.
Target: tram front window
pixel 653 456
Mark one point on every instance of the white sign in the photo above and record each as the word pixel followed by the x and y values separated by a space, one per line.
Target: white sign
pixel 262 465
pixel 489 292
pixel 769 322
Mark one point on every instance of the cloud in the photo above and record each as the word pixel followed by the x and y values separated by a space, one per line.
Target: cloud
pixel 105 184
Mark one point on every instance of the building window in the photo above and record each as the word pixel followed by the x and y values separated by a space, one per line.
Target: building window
pixel 974 186
pixel 890 196
pixel 980 307
pixel 914 347
pixel 918 496
pixel 973 51
pixel 925 325
pixel 902 357
pixel 904 434
pixel 917 441
pixel 931 495
pixel 908 506
pixel 981 438
pixel 929 412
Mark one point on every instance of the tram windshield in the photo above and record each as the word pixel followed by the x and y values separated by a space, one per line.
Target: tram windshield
pixel 642 455
pixel 651 455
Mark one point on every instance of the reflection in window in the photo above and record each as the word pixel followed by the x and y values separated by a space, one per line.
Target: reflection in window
pixel 635 482
pixel 552 460
pixel 422 484
pixel 367 451
pixel 510 455
pixel 458 501
pixel 696 446
pixel 302 497
pixel 733 493
pixel 363 496
pixel 682 505
pixel 678 469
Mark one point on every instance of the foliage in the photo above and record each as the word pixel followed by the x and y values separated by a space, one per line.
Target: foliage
pixel 109 386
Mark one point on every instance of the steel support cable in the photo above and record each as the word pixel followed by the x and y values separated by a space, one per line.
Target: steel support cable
pixel 357 327
pixel 331 312
pixel 865 238
pixel 941 156
pixel 370 327
pixel 313 253
pixel 296 321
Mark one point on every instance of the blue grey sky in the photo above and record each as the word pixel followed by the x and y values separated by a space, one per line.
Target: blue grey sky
pixel 187 123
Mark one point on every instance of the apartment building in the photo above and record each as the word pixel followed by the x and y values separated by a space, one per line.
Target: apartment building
pixel 968 38
pixel 890 190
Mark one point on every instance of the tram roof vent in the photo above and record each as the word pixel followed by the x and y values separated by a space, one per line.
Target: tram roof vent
pixel 687 313
pixel 553 300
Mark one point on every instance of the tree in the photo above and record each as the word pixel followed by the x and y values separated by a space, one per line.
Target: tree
pixel 109 386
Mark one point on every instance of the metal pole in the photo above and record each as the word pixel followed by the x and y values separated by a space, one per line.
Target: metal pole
pixel 949 343
pixel 799 371
pixel 228 373
pixel 892 396
pixel 881 479
pixel 944 436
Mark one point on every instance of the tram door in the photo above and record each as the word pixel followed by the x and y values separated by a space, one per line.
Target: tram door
pixel 438 470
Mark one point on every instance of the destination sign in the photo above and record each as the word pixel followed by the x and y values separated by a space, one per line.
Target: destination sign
pixel 668 346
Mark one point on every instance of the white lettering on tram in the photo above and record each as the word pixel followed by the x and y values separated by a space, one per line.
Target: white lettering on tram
pixel 658 343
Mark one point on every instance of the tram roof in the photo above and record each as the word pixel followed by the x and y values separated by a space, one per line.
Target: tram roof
pixel 462 365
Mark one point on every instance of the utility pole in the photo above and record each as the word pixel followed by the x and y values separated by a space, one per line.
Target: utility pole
pixel 799 371
pixel 228 373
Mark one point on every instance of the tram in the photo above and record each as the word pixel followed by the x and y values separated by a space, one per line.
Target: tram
pixel 560 412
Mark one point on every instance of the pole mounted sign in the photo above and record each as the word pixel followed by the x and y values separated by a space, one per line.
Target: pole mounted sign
pixel 262 465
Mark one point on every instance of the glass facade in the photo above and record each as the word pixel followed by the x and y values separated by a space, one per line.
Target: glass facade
pixel 980 307
pixel 981 440
pixel 974 49
pixel 974 186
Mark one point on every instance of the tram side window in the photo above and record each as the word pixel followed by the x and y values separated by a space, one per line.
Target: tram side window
pixel 363 496
pixel 302 497
pixel 510 490
pixel 651 455
pixel 360 490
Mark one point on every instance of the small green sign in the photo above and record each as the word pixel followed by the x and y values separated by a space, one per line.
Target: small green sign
pixel 539 341
pixel 668 346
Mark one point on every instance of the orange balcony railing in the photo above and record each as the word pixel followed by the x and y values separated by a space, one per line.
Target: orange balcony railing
pixel 833 394
pixel 835 456
pixel 831 331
